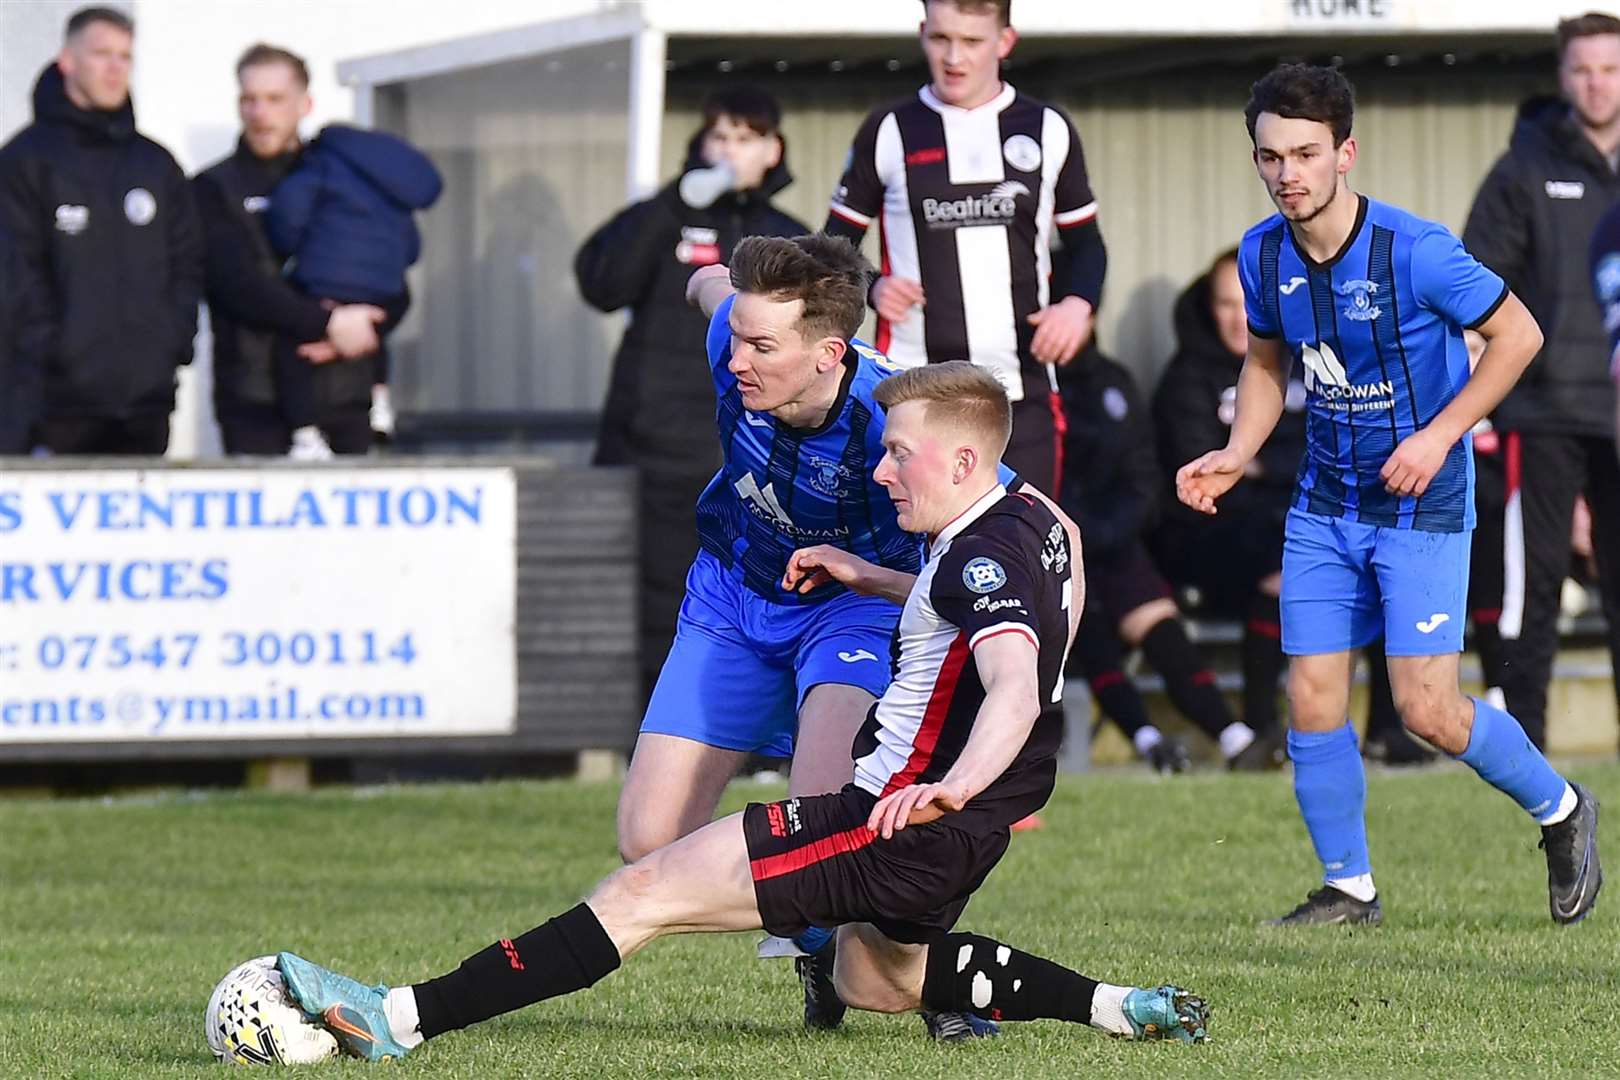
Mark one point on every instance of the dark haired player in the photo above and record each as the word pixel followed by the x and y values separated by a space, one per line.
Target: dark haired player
pixel 959 747
pixel 1373 302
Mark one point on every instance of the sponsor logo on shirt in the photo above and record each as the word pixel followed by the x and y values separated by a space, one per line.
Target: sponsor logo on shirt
pixel 1325 376
pixel 698 246
pixel 72 219
pixel 997 206
pixel 1362 308
pixel 929 156
pixel 984 603
pixel 1055 550
pixel 1566 189
pixel 1287 289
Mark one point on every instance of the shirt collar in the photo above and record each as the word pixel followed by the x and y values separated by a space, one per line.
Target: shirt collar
pixel 967 517
pixel 994 105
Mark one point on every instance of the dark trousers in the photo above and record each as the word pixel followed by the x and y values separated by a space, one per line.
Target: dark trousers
pixel 147 433
pixel 1035 451
pixel 1544 474
pixel 261 430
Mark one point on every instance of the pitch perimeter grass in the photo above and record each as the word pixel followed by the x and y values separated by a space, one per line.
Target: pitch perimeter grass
pixel 117 917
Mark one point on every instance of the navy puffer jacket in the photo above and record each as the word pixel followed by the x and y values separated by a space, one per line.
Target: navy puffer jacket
pixel 344 215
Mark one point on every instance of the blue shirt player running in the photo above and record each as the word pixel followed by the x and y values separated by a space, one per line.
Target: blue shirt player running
pixel 1373 302
pixel 759 665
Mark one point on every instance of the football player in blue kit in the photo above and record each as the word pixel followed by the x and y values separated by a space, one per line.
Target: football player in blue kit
pixel 1373 302
pixel 757 667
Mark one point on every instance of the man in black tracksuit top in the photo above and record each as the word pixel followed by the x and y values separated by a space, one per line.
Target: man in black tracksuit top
pixel 109 237
pixel 250 305
pixel 1531 222
pixel 659 413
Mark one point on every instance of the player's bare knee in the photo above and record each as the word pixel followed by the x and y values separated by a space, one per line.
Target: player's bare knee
pixel 1433 714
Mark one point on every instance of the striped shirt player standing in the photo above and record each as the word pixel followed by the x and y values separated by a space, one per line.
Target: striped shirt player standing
pixel 967 182
pixel 1373 301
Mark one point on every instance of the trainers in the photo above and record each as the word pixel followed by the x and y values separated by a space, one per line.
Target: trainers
pixel 352 1011
pixel 959 1026
pixel 1168 756
pixel 1266 750
pixel 1167 1012
pixel 823 1010
pixel 1328 906
pixel 308 444
pixel 1573 873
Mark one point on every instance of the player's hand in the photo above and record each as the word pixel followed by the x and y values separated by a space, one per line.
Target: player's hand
pixel 318 352
pixel 812 567
pixel 916 804
pixel 894 297
pixel 1061 330
pixel 1203 480
pixel 1414 463
pixel 352 329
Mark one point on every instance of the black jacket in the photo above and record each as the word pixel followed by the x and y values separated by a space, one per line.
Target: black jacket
pixel 24 326
pixel 660 402
pixel 250 304
pixel 1110 483
pixel 109 235
pixel 1531 222
pixel 1193 408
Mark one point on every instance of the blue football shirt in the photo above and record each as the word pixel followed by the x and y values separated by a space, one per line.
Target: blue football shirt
pixel 781 488
pixel 1378 330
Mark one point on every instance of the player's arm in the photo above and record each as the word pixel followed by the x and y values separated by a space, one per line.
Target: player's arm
pixel 1262 389
pixel 1512 340
pixel 708 288
pixel 1077 574
pixel 812 567
pixel 1007 666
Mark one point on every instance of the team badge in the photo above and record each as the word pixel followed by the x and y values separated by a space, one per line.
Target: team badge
pixel 1022 153
pixel 256 204
pixel 1114 404
pixel 1608 278
pixel 1362 308
pixel 139 206
pixel 983 575
pixel 72 218
pixel 827 477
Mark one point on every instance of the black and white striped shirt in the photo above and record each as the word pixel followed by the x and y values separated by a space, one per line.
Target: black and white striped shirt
pixel 965 201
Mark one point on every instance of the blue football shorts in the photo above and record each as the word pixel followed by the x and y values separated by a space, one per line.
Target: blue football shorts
pixel 1344 583
pixel 741 666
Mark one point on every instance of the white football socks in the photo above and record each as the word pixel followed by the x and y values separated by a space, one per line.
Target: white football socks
pixel 1565 807
pixel 1360 887
pixel 1108 1009
pixel 400 1008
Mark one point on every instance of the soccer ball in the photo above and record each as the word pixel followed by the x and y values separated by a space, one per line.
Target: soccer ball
pixel 251 1020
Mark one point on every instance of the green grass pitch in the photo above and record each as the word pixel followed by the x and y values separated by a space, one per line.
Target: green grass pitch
pixel 117 917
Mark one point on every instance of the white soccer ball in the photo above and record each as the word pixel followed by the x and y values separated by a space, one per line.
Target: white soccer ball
pixel 252 1020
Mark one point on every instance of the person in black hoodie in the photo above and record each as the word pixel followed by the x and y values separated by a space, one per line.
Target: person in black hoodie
pixel 1110 483
pixel 251 306
pixel 109 237
pixel 659 413
pixel 1531 222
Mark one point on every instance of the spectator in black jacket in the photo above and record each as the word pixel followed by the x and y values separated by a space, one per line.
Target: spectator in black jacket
pixel 251 306
pixel 1532 220
pixel 660 405
pixel 109 237
pixel 1234 559
pixel 1110 485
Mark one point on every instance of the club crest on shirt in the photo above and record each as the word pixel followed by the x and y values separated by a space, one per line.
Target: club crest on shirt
pixel 1022 152
pixel 983 575
pixel 1362 308
pixel 828 477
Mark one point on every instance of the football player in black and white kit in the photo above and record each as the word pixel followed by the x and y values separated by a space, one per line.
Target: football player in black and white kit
pixel 959 747
pixel 967 182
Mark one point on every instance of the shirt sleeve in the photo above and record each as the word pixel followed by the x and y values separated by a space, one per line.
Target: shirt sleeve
pixel 719 343
pixel 1260 323
pixel 983 587
pixel 859 194
pixel 1449 281
pixel 1073 202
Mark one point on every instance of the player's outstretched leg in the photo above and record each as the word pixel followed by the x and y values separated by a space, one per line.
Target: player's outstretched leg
pixel 978 975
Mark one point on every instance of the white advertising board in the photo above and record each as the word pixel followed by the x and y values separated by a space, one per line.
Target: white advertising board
pixel 252 604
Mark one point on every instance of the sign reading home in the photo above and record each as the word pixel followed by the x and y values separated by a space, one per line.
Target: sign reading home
pixel 248 604
pixel 1339 12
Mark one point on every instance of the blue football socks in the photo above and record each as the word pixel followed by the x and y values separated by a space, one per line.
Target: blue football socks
pixel 1506 759
pixel 1331 789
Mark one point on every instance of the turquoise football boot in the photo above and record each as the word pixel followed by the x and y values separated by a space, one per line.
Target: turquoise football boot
pixel 351 1011
pixel 1167 1012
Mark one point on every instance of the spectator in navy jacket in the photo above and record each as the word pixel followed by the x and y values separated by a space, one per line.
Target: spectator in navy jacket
pixel 343 218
